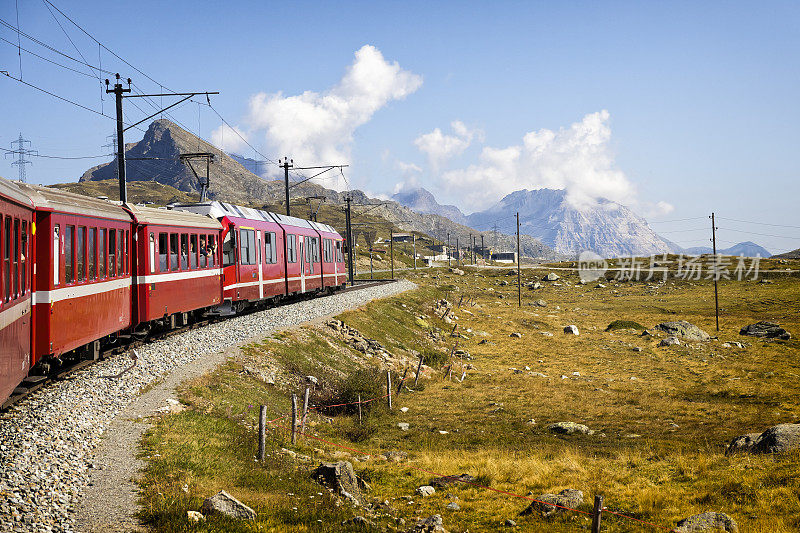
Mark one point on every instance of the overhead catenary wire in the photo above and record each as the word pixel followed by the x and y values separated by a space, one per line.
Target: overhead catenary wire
pixel 61 157
pixel 23 49
pixel 762 234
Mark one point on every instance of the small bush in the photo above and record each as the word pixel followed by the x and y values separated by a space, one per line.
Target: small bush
pixel 624 324
pixel 369 383
pixel 355 432
pixel 435 358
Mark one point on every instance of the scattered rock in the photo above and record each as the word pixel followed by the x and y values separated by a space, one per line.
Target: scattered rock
pixel 516 335
pixel 432 524
pixel 683 329
pixel 669 341
pixel 569 428
pixel 403 426
pixel 708 521
pixel 766 330
pixel 453 506
pixel 566 498
pixel 442 482
pixel 572 329
pixel 194 516
pixel 777 439
pixel 224 503
pixel 360 522
pixel 636 349
pixel 457 271
pixel 311 380
pixel 342 479
pixel 510 523
pixel 540 303
pixel 624 324
pixel 425 490
pixel 552 276
pixel 742 444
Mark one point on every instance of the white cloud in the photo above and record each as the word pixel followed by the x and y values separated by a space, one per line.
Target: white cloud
pixel 578 158
pixel 317 128
pixel 410 176
pixel 440 147
pixel 227 139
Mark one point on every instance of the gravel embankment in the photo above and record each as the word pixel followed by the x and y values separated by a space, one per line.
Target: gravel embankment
pixel 47 441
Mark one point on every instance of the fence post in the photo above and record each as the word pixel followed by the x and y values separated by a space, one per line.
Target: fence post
pixel 294 418
pixel 262 433
pixel 389 388
pixel 400 385
pixel 419 367
pixel 359 408
pixel 305 412
pixel 597 514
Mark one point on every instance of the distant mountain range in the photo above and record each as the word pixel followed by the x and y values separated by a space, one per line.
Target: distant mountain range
pixel 794 254
pixel 747 249
pixel 422 201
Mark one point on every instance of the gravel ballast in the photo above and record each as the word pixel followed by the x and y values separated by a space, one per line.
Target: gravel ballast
pixel 48 440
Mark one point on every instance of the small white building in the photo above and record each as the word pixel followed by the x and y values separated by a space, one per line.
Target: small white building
pixel 504 257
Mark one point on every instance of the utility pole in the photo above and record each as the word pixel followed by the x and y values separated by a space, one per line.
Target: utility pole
pixel 119 94
pixel 474 255
pixel 469 249
pixel 458 252
pixel 286 165
pixel 483 250
pixel 349 231
pixel 448 248
pixel 118 91
pixel 716 273
pixel 391 249
pixel 414 237
pixel 21 152
pixel 519 275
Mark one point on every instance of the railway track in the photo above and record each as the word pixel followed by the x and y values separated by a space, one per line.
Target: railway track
pixel 32 384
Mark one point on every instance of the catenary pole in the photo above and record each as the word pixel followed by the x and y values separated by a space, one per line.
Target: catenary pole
pixel 714 245
pixel 519 275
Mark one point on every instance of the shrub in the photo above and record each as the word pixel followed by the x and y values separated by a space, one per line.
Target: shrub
pixel 624 324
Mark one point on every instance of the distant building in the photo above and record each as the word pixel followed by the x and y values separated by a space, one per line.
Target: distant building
pixel 402 237
pixel 505 257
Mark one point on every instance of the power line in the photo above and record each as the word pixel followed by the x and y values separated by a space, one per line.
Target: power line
pixel 760 223
pixel 762 234
pixel 46 59
pixel 67 35
pixel 54 95
pixel 58 157
pixel 677 220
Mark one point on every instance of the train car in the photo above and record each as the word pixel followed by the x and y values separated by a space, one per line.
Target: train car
pixel 177 265
pixel 16 260
pixel 333 267
pixel 303 254
pixel 83 276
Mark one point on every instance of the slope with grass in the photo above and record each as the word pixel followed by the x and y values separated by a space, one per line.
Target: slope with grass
pixel 661 416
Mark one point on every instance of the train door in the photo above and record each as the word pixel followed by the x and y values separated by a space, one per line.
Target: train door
pixel 260 261
pixel 302 265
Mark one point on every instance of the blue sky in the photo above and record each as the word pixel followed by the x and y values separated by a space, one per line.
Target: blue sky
pixel 676 109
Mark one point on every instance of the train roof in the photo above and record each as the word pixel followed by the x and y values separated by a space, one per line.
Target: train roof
pixel 48 198
pixel 10 190
pixel 172 217
pixel 221 209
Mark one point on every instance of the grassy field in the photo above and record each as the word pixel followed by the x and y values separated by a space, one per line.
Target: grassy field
pixel 661 415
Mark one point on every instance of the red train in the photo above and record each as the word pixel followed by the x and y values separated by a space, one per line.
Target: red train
pixel 78 273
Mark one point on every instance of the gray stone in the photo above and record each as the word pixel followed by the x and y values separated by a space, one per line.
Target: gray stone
pixel 670 341
pixel 708 521
pixel 551 504
pixel 540 303
pixel 569 428
pixel 683 329
pixel 572 329
pixel 425 490
pixel 516 335
pixel 432 524
pixel 778 439
pixel 453 506
pixel 552 276
pixel 224 503
pixel 342 479
pixel 442 482
pixel 403 426
pixel 766 330
pixel 742 444
pixel 510 523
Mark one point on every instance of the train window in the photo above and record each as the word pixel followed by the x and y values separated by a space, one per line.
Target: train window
pixel 24 256
pixel 162 252
pixel 247 247
pixel 228 248
pixel 91 253
pixel 270 250
pixel 125 264
pixel 184 251
pixel 193 251
pixel 203 249
pixel 112 253
pixel 16 257
pixel 101 253
pixel 291 248
pixel 212 251
pixel 69 272
pixel 338 251
pixel 152 252
pixel 7 258
pixel 80 254
pixel 174 251
pixel 120 253
pixel 251 246
pixel 315 249
pixel 56 253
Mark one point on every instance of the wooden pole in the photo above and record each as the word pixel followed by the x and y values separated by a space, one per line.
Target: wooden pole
pixel 305 412
pixel 391 250
pixel 294 418
pixel 716 274
pixel 402 381
pixel 262 433
pixel 597 514
pixel 389 388
pixel 519 274
pixel 419 368
pixel 359 408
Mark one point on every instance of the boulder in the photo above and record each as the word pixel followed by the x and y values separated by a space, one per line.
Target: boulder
pixel 359 522
pixel 742 444
pixel 442 482
pixel 670 341
pixel 457 271
pixel 425 490
pixel 552 276
pixel 432 524
pixel 342 479
pixel 194 516
pixel 708 521
pixel 511 272
pixel 683 329
pixel 778 439
pixel 551 504
pixel 540 303
pixel 453 506
pixel 766 330
pixel 516 335
pixel 224 503
pixel 569 428
pixel 572 329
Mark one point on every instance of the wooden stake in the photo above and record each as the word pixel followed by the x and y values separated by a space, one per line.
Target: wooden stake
pixel 359 408
pixel 294 418
pixel 419 367
pixel 597 514
pixel 305 412
pixel 262 433
pixel 389 388
pixel 402 382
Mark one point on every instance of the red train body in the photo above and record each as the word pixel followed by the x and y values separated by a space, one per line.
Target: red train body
pixel 77 272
